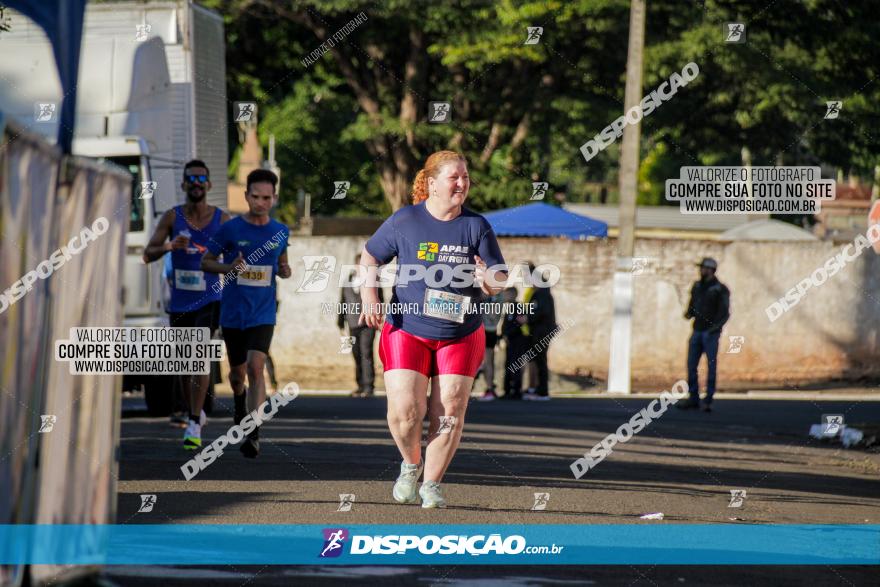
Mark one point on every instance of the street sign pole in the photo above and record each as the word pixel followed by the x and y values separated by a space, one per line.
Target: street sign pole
pixel 619 378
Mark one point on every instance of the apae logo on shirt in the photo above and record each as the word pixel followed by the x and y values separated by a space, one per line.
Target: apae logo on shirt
pixel 453 254
pixel 443 254
pixel 427 251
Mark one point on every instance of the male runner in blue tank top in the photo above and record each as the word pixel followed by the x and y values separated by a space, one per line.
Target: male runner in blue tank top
pixel 185 232
pixel 256 245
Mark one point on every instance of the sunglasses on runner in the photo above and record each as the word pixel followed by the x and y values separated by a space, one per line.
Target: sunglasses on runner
pixel 196 178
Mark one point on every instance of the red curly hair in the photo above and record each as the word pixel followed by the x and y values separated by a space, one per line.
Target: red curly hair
pixel 432 168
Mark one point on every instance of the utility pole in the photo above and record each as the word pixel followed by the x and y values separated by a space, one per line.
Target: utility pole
pixel 619 378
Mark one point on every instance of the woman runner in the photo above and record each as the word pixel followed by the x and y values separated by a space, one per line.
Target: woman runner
pixel 444 341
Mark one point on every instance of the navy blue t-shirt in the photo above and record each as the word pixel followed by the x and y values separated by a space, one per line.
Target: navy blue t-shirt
pixel 415 237
pixel 249 297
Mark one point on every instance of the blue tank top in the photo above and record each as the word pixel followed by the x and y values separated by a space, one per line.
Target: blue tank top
pixel 192 288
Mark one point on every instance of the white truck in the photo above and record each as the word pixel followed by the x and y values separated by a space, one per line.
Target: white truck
pixel 151 95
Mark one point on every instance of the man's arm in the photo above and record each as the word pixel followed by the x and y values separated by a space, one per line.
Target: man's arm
pixel 157 247
pixel 284 270
pixel 722 312
pixel 212 265
pixel 690 309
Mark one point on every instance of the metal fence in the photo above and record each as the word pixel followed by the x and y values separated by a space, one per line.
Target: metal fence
pixel 59 433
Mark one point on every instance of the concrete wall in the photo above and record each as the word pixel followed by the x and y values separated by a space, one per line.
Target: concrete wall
pixel 831 333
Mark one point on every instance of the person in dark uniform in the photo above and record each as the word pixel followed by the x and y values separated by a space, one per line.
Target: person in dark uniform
pixel 516 345
pixel 709 307
pixel 540 322
pixel 362 348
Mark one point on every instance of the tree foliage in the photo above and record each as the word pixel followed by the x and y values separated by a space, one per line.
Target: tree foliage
pixel 520 112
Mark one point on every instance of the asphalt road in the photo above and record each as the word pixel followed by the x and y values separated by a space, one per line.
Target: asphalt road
pixel 684 465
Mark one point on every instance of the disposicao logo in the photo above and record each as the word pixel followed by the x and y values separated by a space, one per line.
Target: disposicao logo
pixel 333 542
pixel 334 539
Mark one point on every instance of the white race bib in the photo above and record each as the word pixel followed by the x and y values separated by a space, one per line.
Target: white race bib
pixel 189 280
pixel 256 276
pixel 445 305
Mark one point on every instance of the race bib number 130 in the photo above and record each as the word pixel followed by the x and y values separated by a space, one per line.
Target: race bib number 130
pixel 256 276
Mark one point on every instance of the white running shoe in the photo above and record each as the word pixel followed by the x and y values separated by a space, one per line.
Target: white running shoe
pixel 405 487
pixel 432 495
pixel 192 437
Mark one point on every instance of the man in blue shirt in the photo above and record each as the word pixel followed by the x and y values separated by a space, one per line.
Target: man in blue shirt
pixel 257 246
pixel 185 232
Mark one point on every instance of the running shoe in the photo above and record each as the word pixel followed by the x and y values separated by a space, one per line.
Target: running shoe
pixel 432 495
pixel 534 397
pixel 203 418
pixel 405 487
pixel 192 437
pixel 488 396
pixel 238 416
pixel 250 447
pixel 179 419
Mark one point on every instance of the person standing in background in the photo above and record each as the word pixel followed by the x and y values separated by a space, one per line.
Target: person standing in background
pixel 516 345
pixel 540 323
pixel 362 347
pixel 709 307
pixel 491 320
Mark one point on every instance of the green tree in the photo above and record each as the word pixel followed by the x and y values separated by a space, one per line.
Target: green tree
pixel 521 112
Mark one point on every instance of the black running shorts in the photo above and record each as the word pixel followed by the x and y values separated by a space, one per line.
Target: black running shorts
pixel 208 316
pixel 240 341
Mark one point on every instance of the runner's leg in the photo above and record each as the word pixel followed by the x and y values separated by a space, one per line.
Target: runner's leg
pixel 406 391
pixel 236 351
pixel 449 397
pixel 457 363
pixel 270 369
pixel 236 381
pixel 196 387
pixel 256 365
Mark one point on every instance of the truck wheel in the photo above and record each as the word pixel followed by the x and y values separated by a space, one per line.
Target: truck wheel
pixel 159 395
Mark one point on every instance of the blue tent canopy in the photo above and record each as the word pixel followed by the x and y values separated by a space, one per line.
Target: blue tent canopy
pixel 541 219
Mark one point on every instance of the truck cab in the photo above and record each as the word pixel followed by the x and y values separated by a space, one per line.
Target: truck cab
pixel 143 291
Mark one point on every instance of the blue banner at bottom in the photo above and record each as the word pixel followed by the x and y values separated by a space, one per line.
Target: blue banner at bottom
pixel 667 544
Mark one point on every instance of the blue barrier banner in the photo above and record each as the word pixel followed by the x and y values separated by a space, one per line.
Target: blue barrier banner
pixel 629 544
